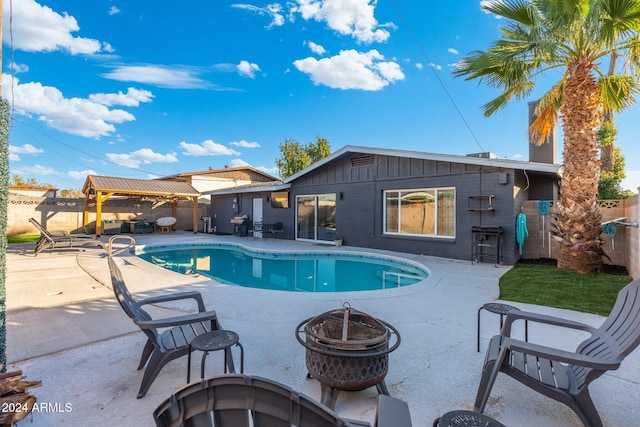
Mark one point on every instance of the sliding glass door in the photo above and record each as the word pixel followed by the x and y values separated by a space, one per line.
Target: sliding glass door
pixel 316 217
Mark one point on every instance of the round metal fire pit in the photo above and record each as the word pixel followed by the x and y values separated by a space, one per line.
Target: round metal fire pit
pixel 347 350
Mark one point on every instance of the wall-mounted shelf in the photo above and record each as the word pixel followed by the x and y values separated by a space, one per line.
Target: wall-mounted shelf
pixel 481 203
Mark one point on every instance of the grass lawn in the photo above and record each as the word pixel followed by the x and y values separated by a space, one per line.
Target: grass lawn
pixel 23 238
pixel 548 286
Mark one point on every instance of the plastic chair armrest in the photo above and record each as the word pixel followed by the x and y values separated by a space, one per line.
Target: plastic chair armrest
pixel 175 297
pixel 177 321
pixel 514 315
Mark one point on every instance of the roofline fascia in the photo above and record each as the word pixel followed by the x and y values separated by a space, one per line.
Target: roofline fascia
pixel 247 189
pixel 500 163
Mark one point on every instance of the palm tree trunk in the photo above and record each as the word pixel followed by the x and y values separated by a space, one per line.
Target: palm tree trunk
pixel 607 152
pixel 578 219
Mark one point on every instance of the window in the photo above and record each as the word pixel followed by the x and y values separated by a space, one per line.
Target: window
pixel 420 212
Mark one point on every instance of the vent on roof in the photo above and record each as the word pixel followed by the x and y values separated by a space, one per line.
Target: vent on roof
pixel 363 160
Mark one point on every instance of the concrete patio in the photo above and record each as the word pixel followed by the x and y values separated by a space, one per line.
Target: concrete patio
pixel 66 329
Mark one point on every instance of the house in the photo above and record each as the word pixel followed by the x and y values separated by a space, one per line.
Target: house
pixel 461 207
pixel 32 190
pixel 215 179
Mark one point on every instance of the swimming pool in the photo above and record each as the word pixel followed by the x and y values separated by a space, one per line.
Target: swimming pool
pixel 286 271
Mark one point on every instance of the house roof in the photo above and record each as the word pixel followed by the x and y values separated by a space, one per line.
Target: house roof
pixel 491 162
pixel 251 188
pixel 240 172
pixel 139 187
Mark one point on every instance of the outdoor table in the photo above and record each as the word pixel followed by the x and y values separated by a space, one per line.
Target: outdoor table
pixel 502 310
pixel 219 339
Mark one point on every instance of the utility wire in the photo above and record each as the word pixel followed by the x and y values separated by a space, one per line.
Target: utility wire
pixel 437 76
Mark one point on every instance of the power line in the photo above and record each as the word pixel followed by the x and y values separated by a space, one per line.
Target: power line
pixel 437 76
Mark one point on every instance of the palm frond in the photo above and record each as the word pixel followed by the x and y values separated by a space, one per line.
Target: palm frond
pixel 547 113
pixel 618 92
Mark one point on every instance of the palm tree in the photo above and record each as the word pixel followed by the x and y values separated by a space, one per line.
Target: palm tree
pixel 572 36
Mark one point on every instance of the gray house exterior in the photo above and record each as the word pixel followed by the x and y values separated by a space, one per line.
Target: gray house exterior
pixel 398 200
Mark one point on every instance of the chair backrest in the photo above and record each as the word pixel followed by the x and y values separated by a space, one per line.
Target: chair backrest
pixel 42 230
pixel 127 301
pixel 278 226
pixel 618 336
pixel 242 401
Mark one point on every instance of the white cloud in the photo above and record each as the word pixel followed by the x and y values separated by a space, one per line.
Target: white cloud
pixel 14 150
pixel 247 69
pixel 141 156
pixel 19 68
pixel 347 17
pixel 273 10
pixel 38 170
pixel 238 163
pixel 351 70
pixel 436 66
pixel 132 98
pixel 245 144
pixel 517 156
pixel 419 66
pixel 37 28
pixel 113 10
pixel 207 148
pixel 76 116
pixel 317 49
pixel 174 77
pixel 453 51
pixel 81 175
pixel 273 171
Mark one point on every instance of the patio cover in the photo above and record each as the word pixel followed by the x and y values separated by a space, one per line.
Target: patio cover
pixel 101 188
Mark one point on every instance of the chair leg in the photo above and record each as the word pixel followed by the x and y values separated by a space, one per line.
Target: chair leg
pixel 146 352
pixel 155 365
pixel 496 355
pixel 585 409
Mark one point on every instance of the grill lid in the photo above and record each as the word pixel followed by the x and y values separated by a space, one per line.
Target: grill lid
pixel 347 329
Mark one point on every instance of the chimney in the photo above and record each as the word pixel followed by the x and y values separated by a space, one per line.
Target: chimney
pixel 548 151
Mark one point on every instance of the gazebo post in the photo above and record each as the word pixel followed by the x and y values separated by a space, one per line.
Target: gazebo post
pixel 85 212
pixel 98 213
pixel 195 214
pixel 174 211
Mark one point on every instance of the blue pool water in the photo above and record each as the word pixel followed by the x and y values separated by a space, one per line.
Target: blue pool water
pixel 299 272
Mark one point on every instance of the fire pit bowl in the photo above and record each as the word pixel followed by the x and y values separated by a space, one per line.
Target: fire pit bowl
pixel 347 349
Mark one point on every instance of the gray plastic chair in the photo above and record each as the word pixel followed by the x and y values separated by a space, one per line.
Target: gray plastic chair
pixel 562 375
pixel 243 401
pixel 167 338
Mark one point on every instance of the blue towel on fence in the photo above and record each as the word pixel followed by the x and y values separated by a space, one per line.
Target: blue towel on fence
pixel 521 231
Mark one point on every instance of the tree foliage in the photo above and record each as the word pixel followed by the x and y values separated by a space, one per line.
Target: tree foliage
pixel 296 157
pixel 609 186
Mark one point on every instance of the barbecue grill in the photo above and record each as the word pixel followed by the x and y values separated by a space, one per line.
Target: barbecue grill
pixel 240 225
pixel 347 349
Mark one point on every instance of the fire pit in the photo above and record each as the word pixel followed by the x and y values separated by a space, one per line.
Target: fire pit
pixel 347 350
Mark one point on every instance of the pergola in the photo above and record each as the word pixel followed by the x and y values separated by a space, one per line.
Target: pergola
pixel 101 188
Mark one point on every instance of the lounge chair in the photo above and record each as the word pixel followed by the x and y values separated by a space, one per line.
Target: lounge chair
pixel 167 338
pixel 562 375
pixel 49 240
pixel 242 401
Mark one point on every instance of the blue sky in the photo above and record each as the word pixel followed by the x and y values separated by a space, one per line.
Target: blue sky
pixel 141 89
